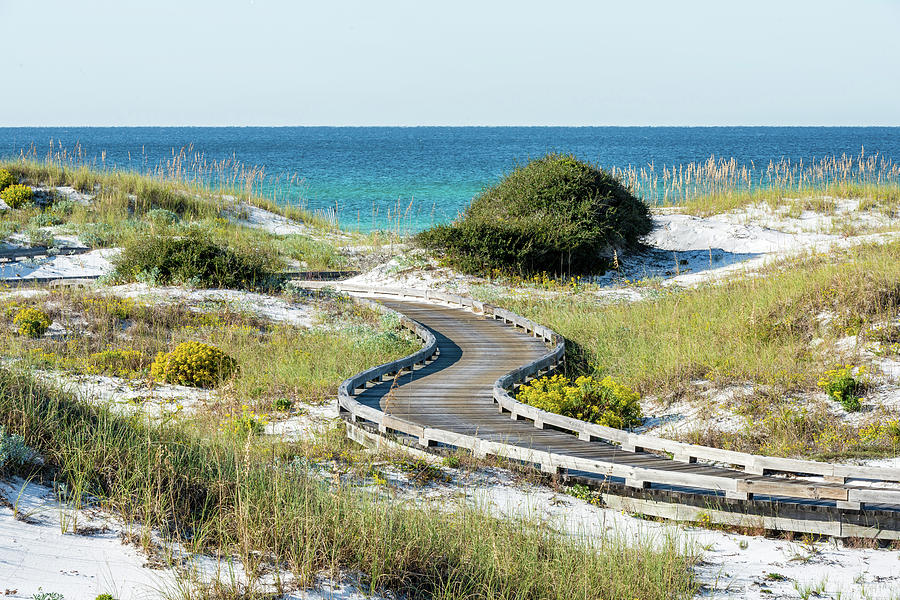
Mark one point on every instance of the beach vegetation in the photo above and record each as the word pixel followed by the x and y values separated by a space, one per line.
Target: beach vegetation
pixel 244 424
pixel 555 214
pixel 193 364
pixel 260 502
pixel 13 451
pixel 602 401
pixel 17 195
pixel 119 336
pixel 842 385
pixel 6 179
pixel 777 331
pixel 193 259
pixel 32 322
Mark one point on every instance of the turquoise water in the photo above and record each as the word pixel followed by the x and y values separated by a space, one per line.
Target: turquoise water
pixel 431 173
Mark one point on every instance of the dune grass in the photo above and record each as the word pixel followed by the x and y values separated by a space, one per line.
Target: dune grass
pixel 120 336
pixel 756 328
pixel 254 501
pixel 127 207
pixel 719 185
pixel 777 330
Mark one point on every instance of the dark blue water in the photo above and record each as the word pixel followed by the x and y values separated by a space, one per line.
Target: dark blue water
pixel 366 172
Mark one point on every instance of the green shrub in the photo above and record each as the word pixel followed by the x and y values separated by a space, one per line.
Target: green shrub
pixel 603 401
pixel 554 214
pixel 194 364
pixel 32 322
pixel 97 235
pixel 6 179
pixel 13 451
pixel 17 196
pixel 105 597
pixel 193 259
pixel 842 386
pixel 45 219
pixel 161 217
pixel 119 363
pixel 282 404
pixel 244 424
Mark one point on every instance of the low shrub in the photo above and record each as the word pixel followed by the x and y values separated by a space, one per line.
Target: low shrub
pixel 193 259
pixel 32 322
pixel 601 401
pixel 555 214
pixel 115 307
pixel 13 451
pixel 194 364
pixel 17 196
pixel 282 404
pixel 244 424
pixel 161 217
pixel 842 386
pixel 97 235
pixel 6 179
pixel 45 219
pixel 118 363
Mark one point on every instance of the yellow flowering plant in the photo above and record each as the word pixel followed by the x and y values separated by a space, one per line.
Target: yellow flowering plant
pixel 841 385
pixel 244 424
pixel 194 364
pixel 32 322
pixel 601 401
pixel 17 195
pixel 6 179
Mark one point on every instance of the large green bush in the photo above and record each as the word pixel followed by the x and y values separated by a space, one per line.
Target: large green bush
pixel 193 259
pixel 555 214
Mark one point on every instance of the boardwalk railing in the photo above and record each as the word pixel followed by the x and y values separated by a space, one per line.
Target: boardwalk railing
pixel 834 486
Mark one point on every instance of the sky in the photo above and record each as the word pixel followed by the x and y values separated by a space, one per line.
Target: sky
pixel 341 62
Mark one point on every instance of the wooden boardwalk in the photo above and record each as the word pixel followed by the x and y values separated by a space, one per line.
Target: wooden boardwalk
pixel 455 392
pixel 451 394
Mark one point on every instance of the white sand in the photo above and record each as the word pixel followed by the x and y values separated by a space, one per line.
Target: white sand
pixel 268 307
pixel 90 264
pixel 38 555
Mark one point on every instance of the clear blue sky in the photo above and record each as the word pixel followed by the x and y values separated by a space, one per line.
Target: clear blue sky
pixel 334 62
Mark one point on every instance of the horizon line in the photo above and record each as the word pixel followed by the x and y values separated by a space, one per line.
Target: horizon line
pixel 695 126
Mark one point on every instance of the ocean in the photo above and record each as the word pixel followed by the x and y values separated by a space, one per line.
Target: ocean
pixel 367 176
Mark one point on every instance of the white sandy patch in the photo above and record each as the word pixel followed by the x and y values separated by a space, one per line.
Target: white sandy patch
pixel 73 195
pixel 306 420
pixel 127 396
pixel 671 419
pixel 268 307
pixel 422 275
pixel 60 240
pixel 259 218
pixel 844 217
pixel 38 555
pixel 39 552
pixel 679 232
pixel 91 264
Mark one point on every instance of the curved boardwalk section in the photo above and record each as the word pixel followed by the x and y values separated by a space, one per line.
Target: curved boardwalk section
pixel 455 393
pixel 452 393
